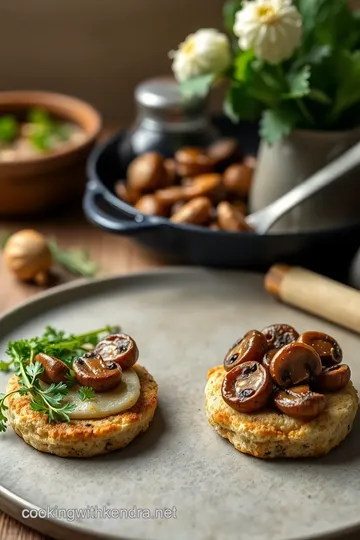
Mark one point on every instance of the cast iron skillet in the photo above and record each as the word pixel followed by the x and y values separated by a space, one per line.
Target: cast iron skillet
pixel 328 251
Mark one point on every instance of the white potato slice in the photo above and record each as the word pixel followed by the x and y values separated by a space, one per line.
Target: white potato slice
pixel 105 404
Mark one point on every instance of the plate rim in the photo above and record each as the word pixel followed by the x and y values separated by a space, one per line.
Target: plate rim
pixel 12 504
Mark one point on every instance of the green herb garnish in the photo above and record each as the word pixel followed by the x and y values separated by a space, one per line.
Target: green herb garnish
pixel 5 366
pixel 49 400
pixel 39 116
pixel 77 261
pixel 9 129
pixel 85 393
pixel 71 379
pixel 45 130
pixel 41 138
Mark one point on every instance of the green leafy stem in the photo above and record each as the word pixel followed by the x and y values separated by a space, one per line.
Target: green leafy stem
pixel 44 399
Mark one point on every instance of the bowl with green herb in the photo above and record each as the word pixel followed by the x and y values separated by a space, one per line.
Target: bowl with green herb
pixel 45 139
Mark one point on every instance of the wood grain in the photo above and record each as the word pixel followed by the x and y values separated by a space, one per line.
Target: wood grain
pixel 114 254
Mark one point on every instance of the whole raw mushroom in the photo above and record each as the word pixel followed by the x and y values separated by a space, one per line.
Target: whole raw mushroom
pixel 28 256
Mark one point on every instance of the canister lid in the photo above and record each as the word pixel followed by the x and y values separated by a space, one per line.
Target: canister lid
pixel 161 97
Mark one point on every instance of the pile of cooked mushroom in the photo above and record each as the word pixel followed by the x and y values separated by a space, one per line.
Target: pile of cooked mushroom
pixel 100 368
pixel 206 187
pixel 280 366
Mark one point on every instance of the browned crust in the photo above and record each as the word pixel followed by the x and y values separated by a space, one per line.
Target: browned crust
pixel 97 435
pixel 271 434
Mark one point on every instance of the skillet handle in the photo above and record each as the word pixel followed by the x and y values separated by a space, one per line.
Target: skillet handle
pixel 94 208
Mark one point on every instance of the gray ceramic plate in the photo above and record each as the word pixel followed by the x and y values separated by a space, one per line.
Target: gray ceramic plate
pixel 183 321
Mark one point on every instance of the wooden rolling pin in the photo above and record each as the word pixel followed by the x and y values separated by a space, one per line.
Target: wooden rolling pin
pixel 316 294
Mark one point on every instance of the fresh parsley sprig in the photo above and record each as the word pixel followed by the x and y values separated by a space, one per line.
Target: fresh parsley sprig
pixel 48 399
pixel 52 342
pixel 76 261
pixel 44 400
pixel 85 393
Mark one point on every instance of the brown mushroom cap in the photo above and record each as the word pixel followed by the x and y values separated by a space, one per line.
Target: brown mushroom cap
pixel 28 256
pixel 149 204
pixel 240 205
pixel 119 348
pixel 146 172
pixel 170 195
pixel 176 206
pixel 201 185
pixel 197 211
pixel 300 402
pixel 326 346
pixel 170 169
pixel 125 193
pixel 224 151
pixel 268 357
pixel 247 387
pixel 250 348
pixel 237 179
pixel 278 335
pixel 333 378
pixel 91 370
pixel 55 370
pixel 192 161
pixel 294 364
pixel 230 218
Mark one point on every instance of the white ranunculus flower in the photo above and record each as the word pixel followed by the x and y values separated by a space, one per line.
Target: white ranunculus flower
pixel 272 28
pixel 205 51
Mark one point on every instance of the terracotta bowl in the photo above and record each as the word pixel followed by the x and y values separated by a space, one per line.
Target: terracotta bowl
pixel 40 183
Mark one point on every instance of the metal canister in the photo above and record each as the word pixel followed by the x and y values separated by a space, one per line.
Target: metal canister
pixel 167 120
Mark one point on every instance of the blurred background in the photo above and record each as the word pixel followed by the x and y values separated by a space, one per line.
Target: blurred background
pixel 96 50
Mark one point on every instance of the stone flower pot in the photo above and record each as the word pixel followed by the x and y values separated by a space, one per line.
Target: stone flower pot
pixel 289 162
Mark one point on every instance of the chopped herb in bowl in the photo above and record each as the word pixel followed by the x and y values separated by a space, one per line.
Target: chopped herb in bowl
pixel 39 133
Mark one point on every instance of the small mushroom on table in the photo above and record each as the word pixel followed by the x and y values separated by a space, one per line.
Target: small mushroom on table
pixel 28 256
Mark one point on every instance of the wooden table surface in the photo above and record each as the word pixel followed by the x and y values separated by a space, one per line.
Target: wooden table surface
pixel 115 255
